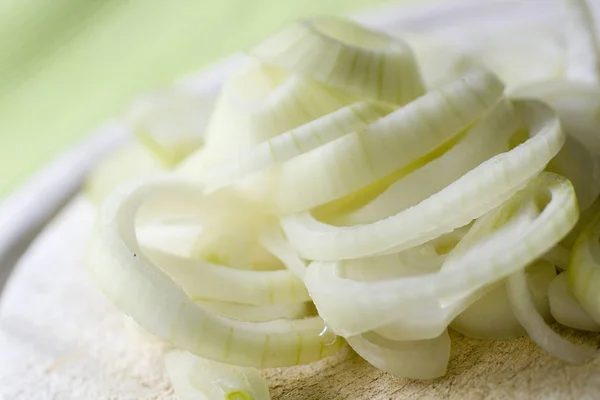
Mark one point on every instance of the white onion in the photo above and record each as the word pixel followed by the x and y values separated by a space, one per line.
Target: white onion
pixel 244 312
pixel 584 269
pixel 171 124
pixel 481 142
pixel 491 317
pixel 261 102
pixel 332 181
pixel 141 290
pixel 566 309
pixel 537 329
pixel 194 378
pixel 578 106
pixel 475 193
pixel 293 143
pixel 396 143
pixel 424 359
pixel 345 55
pixel 351 307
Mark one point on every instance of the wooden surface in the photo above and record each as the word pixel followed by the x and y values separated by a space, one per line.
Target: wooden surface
pixel 478 369
pixel 61 339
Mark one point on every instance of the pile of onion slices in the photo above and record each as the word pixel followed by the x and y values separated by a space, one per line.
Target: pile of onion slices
pixel 329 195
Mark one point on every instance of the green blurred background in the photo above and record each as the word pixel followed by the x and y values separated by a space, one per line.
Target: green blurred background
pixel 66 65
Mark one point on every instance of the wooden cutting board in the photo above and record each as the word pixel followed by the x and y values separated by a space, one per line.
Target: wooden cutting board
pixel 61 339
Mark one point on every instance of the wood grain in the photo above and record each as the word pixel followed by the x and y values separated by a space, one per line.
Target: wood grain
pixel 515 369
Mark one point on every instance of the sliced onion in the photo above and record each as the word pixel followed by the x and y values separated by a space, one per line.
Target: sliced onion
pixel 175 238
pixel 244 312
pixel 171 124
pixel 351 307
pixel 491 317
pixel 141 290
pixel 577 104
pixel 537 329
pixel 346 55
pixel 475 193
pixel 195 378
pixel 559 256
pixel 128 163
pixel 484 140
pixel 578 107
pixel 235 245
pixel 414 210
pixel 295 142
pixel 274 241
pixel 584 269
pixel 422 359
pixel 419 260
pixel 397 143
pixel 565 307
pixel 227 237
pixel 230 236
pixel 584 220
pixel 425 320
pixel 202 280
pixel 430 317
pixel 220 228
pixel 261 102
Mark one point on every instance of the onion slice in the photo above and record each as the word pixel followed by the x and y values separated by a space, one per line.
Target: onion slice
pixel 565 307
pixel 578 106
pixel 584 270
pixel 491 316
pixel 536 327
pixel 203 280
pixel 173 238
pixel 295 142
pixel 244 312
pixel 472 195
pixel 141 290
pixel 524 234
pixel 171 124
pixel 417 359
pixel 395 144
pixel 273 240
pixel 486 139
pixel 195 378
pixel 329 193
pixel 130 162
pixel 345 55
pixel 559 256
pixel 260 102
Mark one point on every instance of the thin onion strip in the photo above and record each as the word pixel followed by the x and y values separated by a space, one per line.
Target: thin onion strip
pixel 537 329
pixel 352 307
pixel 121 269
pixel 475 193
